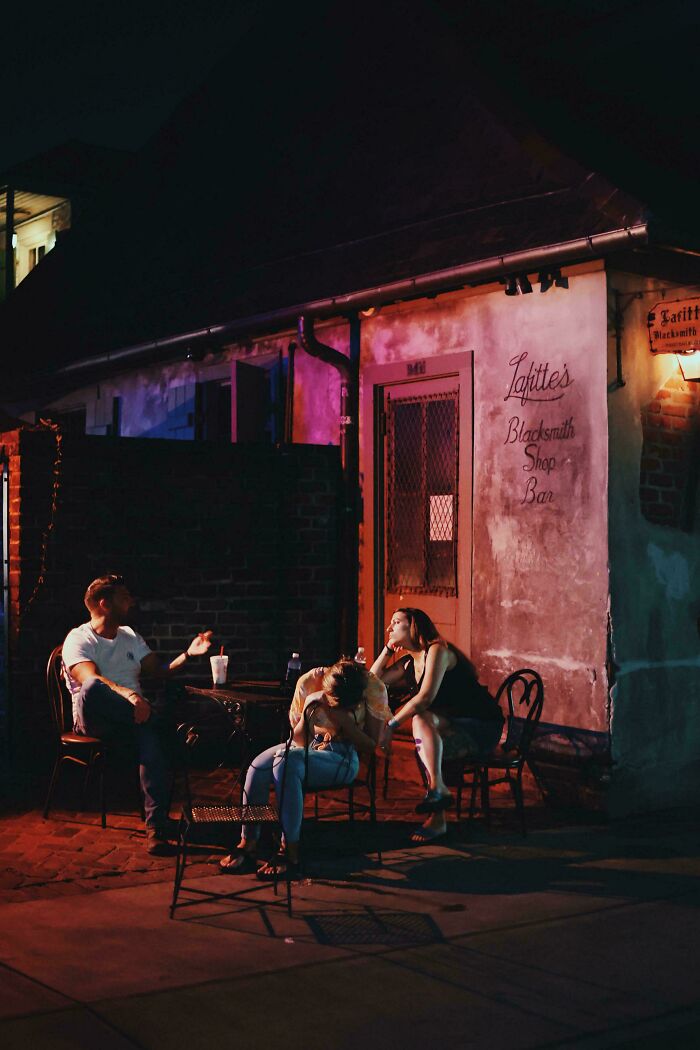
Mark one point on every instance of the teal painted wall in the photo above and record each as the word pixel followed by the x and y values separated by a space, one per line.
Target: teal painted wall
pixel 654 547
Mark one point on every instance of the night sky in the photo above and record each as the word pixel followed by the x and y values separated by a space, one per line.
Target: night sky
pixel 612 81
pixel 107 73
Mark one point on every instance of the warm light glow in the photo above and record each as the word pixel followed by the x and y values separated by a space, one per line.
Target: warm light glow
pixel 690 365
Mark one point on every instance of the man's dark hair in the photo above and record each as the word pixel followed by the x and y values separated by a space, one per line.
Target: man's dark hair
pixel 102 587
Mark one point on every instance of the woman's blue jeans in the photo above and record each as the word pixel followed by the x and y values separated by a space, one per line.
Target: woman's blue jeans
pixel 327 768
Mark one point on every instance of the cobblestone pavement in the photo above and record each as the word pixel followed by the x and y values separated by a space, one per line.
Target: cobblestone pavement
pixel 71 853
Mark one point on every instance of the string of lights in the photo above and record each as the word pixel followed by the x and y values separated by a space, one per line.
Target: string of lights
pixel 47 424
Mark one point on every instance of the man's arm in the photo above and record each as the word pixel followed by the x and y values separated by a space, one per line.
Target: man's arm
pixel 151 665
pixel 86 670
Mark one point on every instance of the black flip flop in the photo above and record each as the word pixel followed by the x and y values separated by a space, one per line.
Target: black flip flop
pixel 433 803
pixel 426 836
pixel 287 870
pixel 243 863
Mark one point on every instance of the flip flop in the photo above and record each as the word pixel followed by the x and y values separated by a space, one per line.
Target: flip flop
pixel 238 862
pixel 422 836
pixel 433 802
pixel 285 870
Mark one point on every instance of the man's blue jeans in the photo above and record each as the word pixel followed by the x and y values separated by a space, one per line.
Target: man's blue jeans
pixel 99 711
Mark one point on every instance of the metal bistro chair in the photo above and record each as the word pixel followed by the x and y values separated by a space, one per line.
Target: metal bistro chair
pixel 351 804
pixel 210 813
pixel 90 752
pixel 204 812
pixel 523 687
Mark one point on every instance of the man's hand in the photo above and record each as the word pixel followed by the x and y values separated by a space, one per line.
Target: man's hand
pixel 142 708
pixel 200 644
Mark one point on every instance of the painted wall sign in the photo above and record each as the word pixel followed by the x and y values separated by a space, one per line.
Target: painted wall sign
pixel 532 383
pixel 674 326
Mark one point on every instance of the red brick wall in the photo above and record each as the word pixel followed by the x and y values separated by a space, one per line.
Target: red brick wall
pixel 669 466
pixel 239 539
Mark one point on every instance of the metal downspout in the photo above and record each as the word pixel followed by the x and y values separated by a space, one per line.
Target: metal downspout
pixel 348 367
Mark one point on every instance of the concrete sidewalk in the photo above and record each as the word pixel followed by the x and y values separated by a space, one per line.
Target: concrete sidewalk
pixel 579 936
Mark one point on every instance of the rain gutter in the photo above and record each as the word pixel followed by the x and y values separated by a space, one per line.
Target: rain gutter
pixel 431 283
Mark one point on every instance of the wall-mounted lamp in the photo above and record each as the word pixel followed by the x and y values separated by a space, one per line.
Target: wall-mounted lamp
pixel 370 311
pixel 547 278
pixel 14 240
pixel 690 366
pixel 517 284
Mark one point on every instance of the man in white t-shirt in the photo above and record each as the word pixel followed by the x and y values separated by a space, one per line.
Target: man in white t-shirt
pixel 103 661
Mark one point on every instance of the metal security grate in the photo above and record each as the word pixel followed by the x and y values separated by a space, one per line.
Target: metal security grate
pixel 422 471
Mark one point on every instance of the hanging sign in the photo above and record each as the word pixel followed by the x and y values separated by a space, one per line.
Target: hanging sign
pixel 674 326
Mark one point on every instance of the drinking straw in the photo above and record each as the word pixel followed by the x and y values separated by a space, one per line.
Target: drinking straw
pixel 221 651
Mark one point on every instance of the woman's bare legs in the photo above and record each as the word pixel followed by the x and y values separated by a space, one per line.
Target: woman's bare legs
pixel 426 734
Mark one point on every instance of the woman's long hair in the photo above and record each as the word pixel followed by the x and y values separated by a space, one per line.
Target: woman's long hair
pixel 345 682
pixel 424 633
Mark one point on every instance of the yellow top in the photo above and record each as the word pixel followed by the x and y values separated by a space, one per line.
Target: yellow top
pixel 375 697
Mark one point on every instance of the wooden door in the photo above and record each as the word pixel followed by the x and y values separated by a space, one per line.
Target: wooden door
pixel 423 481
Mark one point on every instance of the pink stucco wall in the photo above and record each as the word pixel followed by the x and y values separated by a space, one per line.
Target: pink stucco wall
pixel 540 581
pixel 539 543
pixel 539 575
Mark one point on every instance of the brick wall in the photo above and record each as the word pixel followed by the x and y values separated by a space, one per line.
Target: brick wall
pixel 669 467
pixel 239 539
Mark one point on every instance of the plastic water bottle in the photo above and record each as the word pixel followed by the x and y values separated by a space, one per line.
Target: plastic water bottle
pixel 293 670
pixel 360 657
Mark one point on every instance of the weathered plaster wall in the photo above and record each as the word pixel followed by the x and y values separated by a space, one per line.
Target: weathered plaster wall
pixel 155 400
pixel 540 582
pixel 655 599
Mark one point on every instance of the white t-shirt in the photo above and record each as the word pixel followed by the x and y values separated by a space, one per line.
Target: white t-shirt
pixel 118 658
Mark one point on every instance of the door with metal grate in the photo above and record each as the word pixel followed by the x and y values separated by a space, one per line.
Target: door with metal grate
pixel 426 541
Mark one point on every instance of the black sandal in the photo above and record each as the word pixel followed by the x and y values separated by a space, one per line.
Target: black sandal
pixel 282 869
pixel 434 802
pixel 238 862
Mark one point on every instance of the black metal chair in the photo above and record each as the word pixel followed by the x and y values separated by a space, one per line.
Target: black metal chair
pixel 85 751
pixel 209 813
pixel 524 693
pixel 90 752
pixel 215 813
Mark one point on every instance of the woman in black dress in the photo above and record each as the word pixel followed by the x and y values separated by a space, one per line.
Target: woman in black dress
pixel 451 713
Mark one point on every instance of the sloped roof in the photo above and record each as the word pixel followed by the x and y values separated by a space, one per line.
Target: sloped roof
pixel 299 173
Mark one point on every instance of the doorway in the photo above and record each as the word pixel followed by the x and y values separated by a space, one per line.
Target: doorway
pixel 421 534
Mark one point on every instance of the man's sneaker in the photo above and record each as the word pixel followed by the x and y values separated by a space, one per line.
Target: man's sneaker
pixel 157 843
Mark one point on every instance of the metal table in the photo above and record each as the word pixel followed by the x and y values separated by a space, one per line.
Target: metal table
pixel 256 712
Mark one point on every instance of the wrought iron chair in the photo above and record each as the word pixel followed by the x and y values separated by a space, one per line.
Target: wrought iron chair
pixel 85 751
pixel 89 752
pixel 209 813
pixel 524 692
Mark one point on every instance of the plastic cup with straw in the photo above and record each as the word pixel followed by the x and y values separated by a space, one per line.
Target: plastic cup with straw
pixel 219 667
